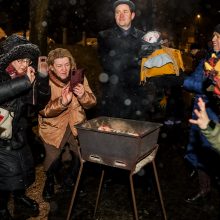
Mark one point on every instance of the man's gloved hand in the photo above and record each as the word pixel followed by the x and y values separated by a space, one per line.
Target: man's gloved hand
pixel 163 102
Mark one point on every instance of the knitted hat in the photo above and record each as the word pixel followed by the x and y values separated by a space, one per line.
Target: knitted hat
pixel 217 28
pixel 127 2
pixel 17 47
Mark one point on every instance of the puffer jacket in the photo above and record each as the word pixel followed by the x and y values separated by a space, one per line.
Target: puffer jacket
pixel 54 118
pixel 198 143
pixel 16 162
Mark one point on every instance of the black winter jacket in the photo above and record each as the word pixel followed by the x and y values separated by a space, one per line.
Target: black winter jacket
pixel 16 162
pixel 118 53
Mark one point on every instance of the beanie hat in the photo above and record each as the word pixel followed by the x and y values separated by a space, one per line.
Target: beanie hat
pixel 217 29
pixel 17 47
pixel 127 2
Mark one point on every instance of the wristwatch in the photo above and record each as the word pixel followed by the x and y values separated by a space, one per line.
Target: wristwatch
pixel 211 124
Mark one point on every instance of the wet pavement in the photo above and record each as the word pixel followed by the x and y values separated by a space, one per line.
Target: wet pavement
pixel 116 202
pixel 115 199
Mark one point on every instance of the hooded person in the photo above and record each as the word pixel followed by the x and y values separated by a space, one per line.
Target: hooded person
pixel 20 86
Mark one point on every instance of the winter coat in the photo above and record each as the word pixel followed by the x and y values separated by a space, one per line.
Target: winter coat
pixel 198 143
pixel 119 55
pixel 164 61
pixel 16 162
pixel 54 118
pixel 213 135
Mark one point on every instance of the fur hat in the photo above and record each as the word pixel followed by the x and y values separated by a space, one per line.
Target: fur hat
pixel 17 47
pixel 127 2
pixel 217 29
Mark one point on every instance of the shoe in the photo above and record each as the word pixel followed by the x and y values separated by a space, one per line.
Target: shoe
pixel 5 215
pixel 30 205
pixel 177 122
pixel 199 198
pixel 169 122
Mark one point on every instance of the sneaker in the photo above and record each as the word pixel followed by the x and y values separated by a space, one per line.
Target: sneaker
pixel 177 122
pixel 169 122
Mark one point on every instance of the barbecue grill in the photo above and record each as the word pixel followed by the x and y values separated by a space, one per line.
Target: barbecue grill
pixel 121 143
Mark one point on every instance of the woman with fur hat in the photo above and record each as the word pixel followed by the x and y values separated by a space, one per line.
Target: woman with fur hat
pixel 20 86
pixel 64 110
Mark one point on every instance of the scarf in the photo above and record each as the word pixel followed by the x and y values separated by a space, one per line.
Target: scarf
pixel 12 71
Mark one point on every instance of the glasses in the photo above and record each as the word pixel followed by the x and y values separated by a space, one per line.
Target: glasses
pixel 27 61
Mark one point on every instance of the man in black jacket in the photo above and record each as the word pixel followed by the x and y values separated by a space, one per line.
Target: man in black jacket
pixel 122 94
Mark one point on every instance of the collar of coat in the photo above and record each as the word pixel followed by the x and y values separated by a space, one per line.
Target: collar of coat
pixel 57 80
pixel 133 31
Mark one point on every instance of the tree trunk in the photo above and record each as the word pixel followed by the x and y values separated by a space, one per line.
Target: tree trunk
pixel 38 24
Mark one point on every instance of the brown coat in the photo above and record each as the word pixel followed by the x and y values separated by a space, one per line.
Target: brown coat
pixel 54 118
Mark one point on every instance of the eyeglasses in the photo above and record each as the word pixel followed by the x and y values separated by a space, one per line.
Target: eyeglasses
pixel 21 61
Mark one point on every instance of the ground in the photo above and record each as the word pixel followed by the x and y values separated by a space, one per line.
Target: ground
pixel 115 200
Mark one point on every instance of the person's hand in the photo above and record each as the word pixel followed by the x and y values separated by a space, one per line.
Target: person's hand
pixel 163 102
pixel 202 115
pixel 66 96
pixel 31 73
pixel 79 90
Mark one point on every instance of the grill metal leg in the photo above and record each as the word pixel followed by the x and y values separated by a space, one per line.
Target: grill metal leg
pixel 99 191
pixel 159 190
pixel 133 196
pixel 75 190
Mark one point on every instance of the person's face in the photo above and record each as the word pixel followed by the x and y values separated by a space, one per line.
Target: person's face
pixel 21 66
pixel 216 42
pixel 61 67
pixel 124 16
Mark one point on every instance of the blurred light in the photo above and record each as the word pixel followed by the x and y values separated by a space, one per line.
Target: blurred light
pixel 198 16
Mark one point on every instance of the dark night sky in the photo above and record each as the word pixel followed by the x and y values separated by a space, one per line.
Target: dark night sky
pixel 94 15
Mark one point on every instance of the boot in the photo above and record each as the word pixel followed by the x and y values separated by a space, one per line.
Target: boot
pixel 205 188
pixel 25 203
pixel 48 191
pixel 5 215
